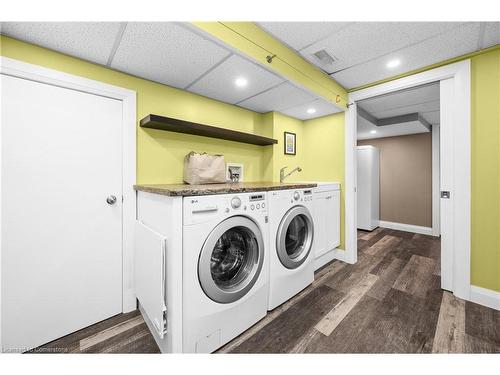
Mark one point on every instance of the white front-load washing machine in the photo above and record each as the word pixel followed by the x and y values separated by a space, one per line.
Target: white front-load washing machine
pixel 225 268
pixel 291 233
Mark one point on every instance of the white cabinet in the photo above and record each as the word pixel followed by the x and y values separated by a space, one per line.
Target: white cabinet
pixel 368 187
pixel 326 216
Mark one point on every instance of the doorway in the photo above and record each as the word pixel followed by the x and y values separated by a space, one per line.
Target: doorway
pixel 454 82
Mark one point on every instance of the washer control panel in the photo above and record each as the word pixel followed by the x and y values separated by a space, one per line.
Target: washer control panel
pixel 256 202
pixel 235 202
pixel 199 209
pixel 308 196
pixel 251 203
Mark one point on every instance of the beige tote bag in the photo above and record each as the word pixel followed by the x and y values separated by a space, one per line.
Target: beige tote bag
pixel 204 169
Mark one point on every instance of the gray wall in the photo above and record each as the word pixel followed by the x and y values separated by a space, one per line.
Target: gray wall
pixel 405 178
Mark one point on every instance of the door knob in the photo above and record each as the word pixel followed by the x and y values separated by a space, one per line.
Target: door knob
pixel 111 199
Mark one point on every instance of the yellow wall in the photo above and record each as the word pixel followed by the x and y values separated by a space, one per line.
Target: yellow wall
pixel 485 234
pixel 281 124
pixel 160 154
pixel 323 158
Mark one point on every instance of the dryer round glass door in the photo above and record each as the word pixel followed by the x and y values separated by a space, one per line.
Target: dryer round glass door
pixel 231 259
pixel 294 237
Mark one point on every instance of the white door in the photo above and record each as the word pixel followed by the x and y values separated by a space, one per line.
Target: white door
pixel 61 240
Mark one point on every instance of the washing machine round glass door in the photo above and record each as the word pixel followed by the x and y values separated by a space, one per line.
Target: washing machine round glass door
pixel 231 259
pixel 294 237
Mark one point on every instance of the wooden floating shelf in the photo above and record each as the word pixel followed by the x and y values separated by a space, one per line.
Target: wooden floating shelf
pixel 186 127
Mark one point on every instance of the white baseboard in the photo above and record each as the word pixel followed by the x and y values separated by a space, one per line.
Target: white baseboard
pixel 339 254
pixel 406 227
pixel 486 297
pixel 324 259
pixel 129 303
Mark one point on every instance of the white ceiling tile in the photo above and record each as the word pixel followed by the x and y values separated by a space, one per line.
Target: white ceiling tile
pixel 459 41
pixel 166 52
pixel 491 34
pixel 321 107
pixel 404 98
pixel 365 41
pixel 278 98
pixel 219 83
pixel 365 127
pixel 92 41
pixel 300 34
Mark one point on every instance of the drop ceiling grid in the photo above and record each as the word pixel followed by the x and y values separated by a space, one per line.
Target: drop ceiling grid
pixel 219 82
pixel 459 41
pixel 91 41
pixel 170 54
pixel 362 42
pixel 299 35
pixel 363 49
pixel 321 107
pixel 278 98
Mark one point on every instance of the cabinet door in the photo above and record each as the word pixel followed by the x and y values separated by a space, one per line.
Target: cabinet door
pixel 319 224
pixel 326 222
pixel 332 220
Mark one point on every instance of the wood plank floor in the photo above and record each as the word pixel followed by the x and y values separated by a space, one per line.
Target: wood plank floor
pixel 390 301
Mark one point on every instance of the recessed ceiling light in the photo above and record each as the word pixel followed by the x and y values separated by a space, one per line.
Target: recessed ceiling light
pixel 241 82
pixel 393 63
pixel 311 110
pixel 373 131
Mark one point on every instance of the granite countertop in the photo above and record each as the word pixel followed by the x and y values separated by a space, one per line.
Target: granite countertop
pixel 178 190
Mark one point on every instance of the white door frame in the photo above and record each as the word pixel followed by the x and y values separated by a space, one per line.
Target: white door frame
pixel 436 190
pixel 461 137
pixel 19 69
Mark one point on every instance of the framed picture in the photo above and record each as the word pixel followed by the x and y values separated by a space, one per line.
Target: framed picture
pixel 290 143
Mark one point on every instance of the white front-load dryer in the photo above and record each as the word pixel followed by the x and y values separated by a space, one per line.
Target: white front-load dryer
pixel 291 237
pixel 225 268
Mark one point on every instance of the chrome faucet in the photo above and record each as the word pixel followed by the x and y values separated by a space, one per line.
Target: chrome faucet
pixel 283 176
